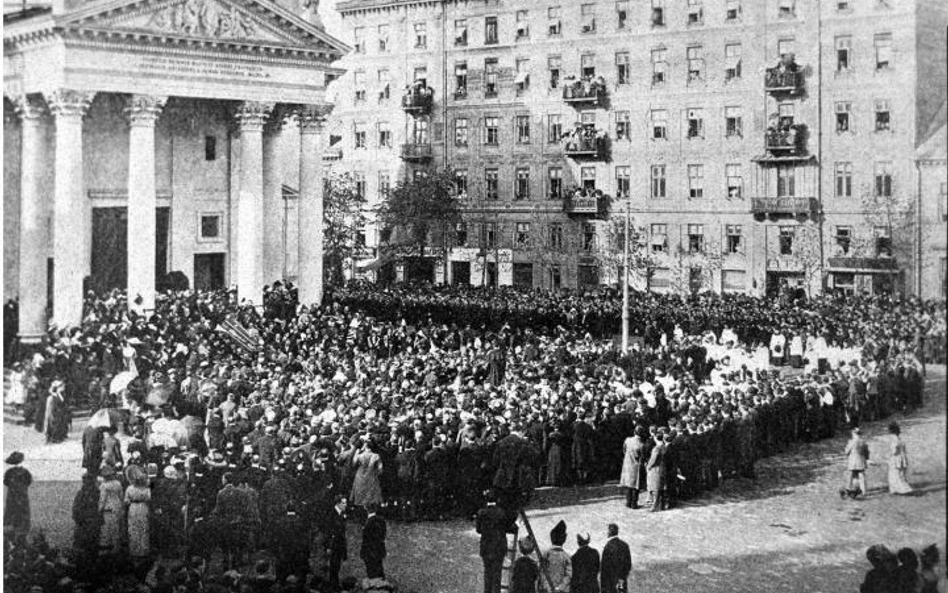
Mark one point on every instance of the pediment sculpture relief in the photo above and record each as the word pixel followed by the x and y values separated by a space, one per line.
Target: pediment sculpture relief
pixel 200 18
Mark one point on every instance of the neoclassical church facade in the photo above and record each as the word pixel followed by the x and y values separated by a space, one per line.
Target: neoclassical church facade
pixel 146 137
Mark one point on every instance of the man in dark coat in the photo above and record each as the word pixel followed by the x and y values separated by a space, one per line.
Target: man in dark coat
pixel 493 525
pixel 92 449
pixel 336 547
pixel 515 460
pixel 373 543
pixel 585 567
pixel 292 546
pixel 616 563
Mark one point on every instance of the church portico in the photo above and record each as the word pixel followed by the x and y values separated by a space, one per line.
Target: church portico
pixel 153 146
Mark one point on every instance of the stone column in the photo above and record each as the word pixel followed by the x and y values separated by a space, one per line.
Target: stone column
pixel 250 117
pixel 274 209
pixel 71 226
pixel 142 114
pixel 34 239
pixel 312 120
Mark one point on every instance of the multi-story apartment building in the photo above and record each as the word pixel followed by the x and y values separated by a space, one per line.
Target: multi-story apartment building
pixel 756 143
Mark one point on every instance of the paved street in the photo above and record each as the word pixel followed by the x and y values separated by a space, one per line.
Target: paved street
pixel 786 531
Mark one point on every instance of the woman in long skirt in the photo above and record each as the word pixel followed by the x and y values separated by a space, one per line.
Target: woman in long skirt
pixel 138 499
pixel 898 463
pixel 112 509
pixel 16 512
pixel 367 485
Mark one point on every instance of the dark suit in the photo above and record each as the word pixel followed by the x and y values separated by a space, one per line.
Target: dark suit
pixel 616 565
pixel 492 523
pixel 585 571
pixel 373 546
pixel 335 544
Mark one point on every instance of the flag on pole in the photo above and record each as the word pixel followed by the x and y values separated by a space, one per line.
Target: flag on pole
pixel 239 334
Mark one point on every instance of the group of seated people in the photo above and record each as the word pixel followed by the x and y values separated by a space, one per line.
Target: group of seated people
pixel 905 571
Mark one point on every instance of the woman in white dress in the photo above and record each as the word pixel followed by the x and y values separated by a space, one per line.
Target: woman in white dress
pixel 898 463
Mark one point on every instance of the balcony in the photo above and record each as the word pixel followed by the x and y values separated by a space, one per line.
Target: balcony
pixel 786 142
pixel 786 77
pixel 332 154
pixel 784 206
pixel 581 202
pixel 584 92
pixel 871 264
pixel 585 148
pixel 416 152
pixel 418 100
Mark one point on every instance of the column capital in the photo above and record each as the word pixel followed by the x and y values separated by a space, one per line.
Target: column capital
pixel 68 102
pixel 313 118
pixel 29 108
pixel 251 115
pixel 143 110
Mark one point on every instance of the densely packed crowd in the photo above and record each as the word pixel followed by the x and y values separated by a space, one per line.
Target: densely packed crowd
pixel 418 400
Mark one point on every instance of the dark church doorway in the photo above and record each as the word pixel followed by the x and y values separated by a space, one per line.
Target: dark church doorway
pixel 109 265
pixel 208 271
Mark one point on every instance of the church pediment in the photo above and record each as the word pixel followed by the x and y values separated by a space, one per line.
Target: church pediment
pixel 257 22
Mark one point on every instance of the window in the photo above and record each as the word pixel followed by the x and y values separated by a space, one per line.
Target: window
pixel 843 6
pixel 384 82
pixel 883 175
pixel 522 184
pixel 588 118
pixel 556 236
pixel 522 79
pixel 490 30
pixel 785 113
pixel 786 240
pixel 587 66
pixel 844 49
pixel 659 67
pixel 460 182
pixel 733 10
pixel 943 197
pixel 695 12
pixel 695 64
pixel 490 235
pixel 733 122
pixel 658 181
pixel 659 124
pixel 359 178
pixel 733 237
pixel 385 184
pixel 421 75
pixel 385 135
pixel 844 116
pixel 734 180
pixel 786 9
pixel 460 80
pixel 210 148
pixel 523 24
pixel 358 81
pixel 882 115
pixel 522 234
pixel 732 61
pixel 555 183
pixel 554 22
pixel 695 238
pixel 359 133
pixel 523 129
pixel 460 131
pixel 695 123
pixel 623 126
pixel 490 77
pixel 210 226
pixel 883 45
pixel 623 181
pixel 460 32
pixel 358 40
pixel 554 126
pixel 587 13
pixel 460 235
pixel 883 241
pixel 695 181
pixel 491 131
pixel 554 64
pixel 786 47
pixel 786 181
pixel 588 177
pixel 658 13
pixel 383 38
pixel 622 14
pixel 491 184
pixel 659 237
pixel 420 131
pixel 421 35
pixel 589 236
pixel 623 70
pixel 844 239
pixel 844 180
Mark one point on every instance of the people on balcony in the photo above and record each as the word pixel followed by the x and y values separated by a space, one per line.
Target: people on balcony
pixel 587 86
pixel 784 74
pixel 782 133
pixel 583 138
pixel 417 93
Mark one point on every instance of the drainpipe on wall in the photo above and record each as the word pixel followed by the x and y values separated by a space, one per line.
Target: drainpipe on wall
pixel 918 229
pixel 820 217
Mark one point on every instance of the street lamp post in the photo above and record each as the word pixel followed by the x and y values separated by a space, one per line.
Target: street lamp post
pixel 625 281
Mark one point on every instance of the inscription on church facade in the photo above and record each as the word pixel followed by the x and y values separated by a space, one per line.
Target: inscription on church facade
pixel 202 67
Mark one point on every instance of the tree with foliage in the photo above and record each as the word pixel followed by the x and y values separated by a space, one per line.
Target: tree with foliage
pixel 417 209
pixel 343 218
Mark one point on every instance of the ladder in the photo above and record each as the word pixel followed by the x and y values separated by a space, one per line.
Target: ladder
pixel 511 556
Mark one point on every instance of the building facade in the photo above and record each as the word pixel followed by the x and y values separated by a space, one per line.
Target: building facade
pixel 932 163
pixel 756 144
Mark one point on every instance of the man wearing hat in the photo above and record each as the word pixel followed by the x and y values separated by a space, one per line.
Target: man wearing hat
pixel 493 526
pixel 557 564
pixel 585 566
pixel 616 563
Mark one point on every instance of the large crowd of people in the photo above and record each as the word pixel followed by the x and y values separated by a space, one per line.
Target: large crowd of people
pixel 414 402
